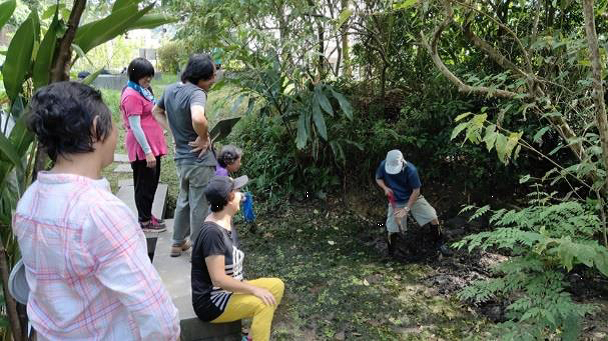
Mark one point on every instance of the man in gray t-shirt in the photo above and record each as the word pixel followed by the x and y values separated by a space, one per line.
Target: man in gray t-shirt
pixel 183 106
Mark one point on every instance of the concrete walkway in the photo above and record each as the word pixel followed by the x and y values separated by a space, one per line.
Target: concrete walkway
pixel 175 271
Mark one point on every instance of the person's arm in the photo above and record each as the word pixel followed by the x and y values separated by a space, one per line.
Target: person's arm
pixel 140 136
pixel 413 197
pixel 385 188
pixel 118 245
pixel 380 180
pixel 414 182
pixel 199 122
pixel 215 266
pixel 160 116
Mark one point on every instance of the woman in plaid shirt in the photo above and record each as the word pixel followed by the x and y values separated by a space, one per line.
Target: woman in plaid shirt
pixel 85 255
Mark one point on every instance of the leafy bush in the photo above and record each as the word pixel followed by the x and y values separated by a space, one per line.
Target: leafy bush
pixel 172 55
pixel 544 240
pixel 274 163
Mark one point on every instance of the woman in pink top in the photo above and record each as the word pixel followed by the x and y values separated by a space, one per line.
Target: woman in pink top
pixel 145 142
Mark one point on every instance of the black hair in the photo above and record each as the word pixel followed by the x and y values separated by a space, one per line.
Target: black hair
pixel 140 68
pixel 62 115
pixel 219 205
pixel 228 155
pixel 199 67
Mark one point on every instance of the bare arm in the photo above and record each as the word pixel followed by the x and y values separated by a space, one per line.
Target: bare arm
pixel 215 266
pixel 201 127
pixel 413 198
pixel 160 116
pixel 199 121
pixel 384 187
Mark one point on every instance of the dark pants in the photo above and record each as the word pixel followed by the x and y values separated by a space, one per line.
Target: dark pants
pixel 145 180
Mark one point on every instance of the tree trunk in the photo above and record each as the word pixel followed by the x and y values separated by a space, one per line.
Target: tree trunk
pixel 598 89
pixel 61 67
pixel 348 72
pixel 11 304
pixel 321 61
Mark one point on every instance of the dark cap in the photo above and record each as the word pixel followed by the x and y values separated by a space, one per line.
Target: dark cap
pixel 219 187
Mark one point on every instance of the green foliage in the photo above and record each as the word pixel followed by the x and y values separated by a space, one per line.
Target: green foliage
pixel 46 51
pixel 172 55
pixel 124 17
pixel 19 56
pixel 544 239
pixel 6 10
pixel 506 145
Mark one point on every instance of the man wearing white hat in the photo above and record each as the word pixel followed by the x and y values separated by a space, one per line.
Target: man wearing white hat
pixel 400 182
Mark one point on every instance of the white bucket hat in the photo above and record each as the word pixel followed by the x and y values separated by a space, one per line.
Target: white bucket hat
pixel 394 162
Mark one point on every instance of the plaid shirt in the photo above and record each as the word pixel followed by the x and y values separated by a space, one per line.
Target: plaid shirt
pixel 87 267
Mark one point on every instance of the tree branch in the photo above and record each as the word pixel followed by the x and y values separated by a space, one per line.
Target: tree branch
pixel 598 89
pixel 462 87
pixel 504 27
pixel 11 304
pixel 491 51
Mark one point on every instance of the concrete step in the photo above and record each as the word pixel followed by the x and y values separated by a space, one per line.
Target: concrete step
pixel 126 193
pixel 125 182
pixel 123 168
pixel 123 158
pixel 175 273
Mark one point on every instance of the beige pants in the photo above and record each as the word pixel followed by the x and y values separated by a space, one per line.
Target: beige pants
pixel 422 211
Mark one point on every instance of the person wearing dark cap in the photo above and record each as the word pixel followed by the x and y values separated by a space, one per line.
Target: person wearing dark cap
pixel 219 292
pixel 401 184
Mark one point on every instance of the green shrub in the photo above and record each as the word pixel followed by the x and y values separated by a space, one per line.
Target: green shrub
pixel 275 165
pixel 172 55
pixel 545 240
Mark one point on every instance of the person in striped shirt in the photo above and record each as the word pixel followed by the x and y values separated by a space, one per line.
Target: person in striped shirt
pixel 84 253
pixel 219 291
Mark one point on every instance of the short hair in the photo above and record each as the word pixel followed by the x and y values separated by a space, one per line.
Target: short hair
pixel 199 67
pixel 140 68
pixel 219 206
pixel 62 115
pixel 228 155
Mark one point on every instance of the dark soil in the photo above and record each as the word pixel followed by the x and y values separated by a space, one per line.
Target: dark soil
pixel 449 275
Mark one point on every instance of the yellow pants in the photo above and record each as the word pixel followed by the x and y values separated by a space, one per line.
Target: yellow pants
pixel 246 305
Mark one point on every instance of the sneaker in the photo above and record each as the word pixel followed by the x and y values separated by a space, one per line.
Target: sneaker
pixel 152 226
pixel 159 222
pixel 176 250
pixel 445 251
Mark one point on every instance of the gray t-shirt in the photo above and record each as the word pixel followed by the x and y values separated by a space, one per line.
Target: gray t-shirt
pixel 176 101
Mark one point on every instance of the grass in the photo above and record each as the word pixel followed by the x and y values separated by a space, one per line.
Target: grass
pixel 338 287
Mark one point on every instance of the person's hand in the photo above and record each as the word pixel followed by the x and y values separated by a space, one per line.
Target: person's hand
pixel 388 192
pixel 401 212
pixel 200 145
pixel 265 295
pixel 150 160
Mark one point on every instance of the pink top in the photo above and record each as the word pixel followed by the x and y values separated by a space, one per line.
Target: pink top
pixel 87 265
pixel 132 103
